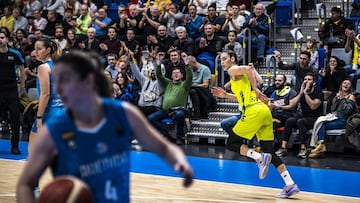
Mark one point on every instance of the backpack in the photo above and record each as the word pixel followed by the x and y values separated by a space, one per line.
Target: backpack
pixel 352 129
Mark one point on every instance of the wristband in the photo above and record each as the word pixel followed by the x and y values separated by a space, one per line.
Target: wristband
pixel 38 117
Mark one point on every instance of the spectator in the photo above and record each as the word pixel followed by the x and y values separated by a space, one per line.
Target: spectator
pixel 39 22
pixel 279 99
pixel 111 43
pixel 151 94
pixel 183 43
pixel 200 7
pixel 175 95
pixel 111 67
pixel 332 33
pixel 134 19
pixel 234 21
pixel 311 47
pixel 353 43
pixel 310 100
pixel 215 20
pixel 30 7
pixel 57 6
pixel 162 40
pixel 20 21
pixel 150 22
pixel 343 105
pixel 172 18
pixel 90 43
pixel 122 23
pixel 31 64
pixel 193 22
pixel 158 3
pixel 22 43
pixel 200 94
pixel 8 20
pixel 71 41
pixel 83 22
pixel 175 62
pixel 53 21
pixel 130 45
pixel 127 90
pixel 220 5
pixel 258 24
pixel 234 46
pixel 59 38
pixel 69 20
pixel 332 77
pixel 100 23
pixel 301 67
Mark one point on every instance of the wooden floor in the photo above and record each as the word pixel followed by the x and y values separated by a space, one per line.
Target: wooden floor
pixel 150 188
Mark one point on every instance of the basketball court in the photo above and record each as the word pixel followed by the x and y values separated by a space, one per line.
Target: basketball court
pixel 216 180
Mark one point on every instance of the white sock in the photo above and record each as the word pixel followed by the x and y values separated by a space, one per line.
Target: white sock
pixel 287 178
pixel 253 154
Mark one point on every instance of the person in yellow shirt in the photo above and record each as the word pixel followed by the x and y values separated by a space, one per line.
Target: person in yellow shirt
pixel 159 3
pixel 8 20
pixel 255 119
pixel 83 22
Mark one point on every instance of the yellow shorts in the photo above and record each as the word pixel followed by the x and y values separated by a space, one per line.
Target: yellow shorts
pixel 257 121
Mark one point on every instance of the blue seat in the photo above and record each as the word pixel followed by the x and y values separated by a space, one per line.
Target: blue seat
pixel 283 13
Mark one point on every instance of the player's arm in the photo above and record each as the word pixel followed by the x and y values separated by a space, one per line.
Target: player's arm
pixel 152 140
pixel 40 157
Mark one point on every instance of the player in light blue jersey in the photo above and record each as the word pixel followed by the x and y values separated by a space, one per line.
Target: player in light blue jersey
pixel 90 138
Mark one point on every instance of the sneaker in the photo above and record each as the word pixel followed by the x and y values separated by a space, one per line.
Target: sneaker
pixel 281 152
pixel 302 154
pixel 15 150
pixel 134 142
pixel 263 164
pixel 288 190
pixel 319 148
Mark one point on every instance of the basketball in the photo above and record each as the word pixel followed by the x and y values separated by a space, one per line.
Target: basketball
pixel 66 189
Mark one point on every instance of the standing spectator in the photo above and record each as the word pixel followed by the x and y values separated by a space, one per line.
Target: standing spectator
pixel 11 59
pixel 332 34
pixel 121 23
pixel 100 23
pixel 310 99
pixel 150 23
pixel 8 19
pixel 130 45
pixel 193 22
pixel 258 23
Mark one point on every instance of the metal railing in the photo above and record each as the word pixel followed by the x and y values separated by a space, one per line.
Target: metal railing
pixel 246 33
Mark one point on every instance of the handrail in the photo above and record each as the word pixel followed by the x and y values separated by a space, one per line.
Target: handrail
pixel 296 46
pixel 248 45
pixel 217 72
pixel 322 7
pixel 272 65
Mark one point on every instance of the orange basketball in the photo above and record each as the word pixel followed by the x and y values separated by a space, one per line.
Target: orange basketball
pixel 66 189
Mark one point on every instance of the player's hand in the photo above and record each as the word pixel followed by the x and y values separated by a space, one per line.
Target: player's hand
pixel 261 96
pixel 182 166
pixel 219 92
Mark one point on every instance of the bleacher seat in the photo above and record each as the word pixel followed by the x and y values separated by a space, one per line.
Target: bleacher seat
pixel 341 54
pixel 283 13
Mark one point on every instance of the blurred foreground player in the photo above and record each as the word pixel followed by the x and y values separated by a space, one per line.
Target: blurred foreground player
pixel 90 139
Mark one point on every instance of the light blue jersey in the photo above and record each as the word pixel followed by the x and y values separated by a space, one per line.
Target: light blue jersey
pixel 98 156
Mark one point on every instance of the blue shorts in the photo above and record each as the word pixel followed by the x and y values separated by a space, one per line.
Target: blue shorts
pixel 48 112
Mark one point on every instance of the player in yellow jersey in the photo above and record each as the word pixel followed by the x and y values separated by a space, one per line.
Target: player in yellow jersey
pixel 255 119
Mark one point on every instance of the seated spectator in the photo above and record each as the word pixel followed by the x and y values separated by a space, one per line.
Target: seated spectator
pixel 280 100
pixel 332 77
pixel 151 93
pixel 83 22
pixel 71 41
pixel 200 94
pixel 233 21
pixel 127 90
pixel 343 106
pixel 209 47
pixel 130 45
pixel 193 21
pixel 100 22
pixel 111 44
pixel 234 46
pixel 183 43
pixel 22 43
pixel 57 6
pixel 216 21
pixel 122 23
pixel 30 7
pixel 150 22
pixel 200 7
pixel 161 40
pixel 353 43
pixel 310 100
pixel 332 33
pixel 175 95
pixel 59 37
pixel 258 24
pixel 39 22
pixel 157 3
pixel 301 68
pixel 90 43
pixel 175 62
pixel 31 65
pixel 52 22
pixel 111 67
pixel 69 20
pixel 8 20
pixel 20 21
pixel 311 47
